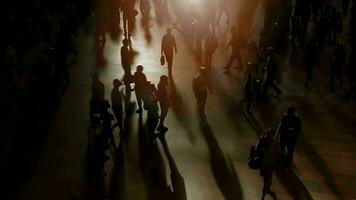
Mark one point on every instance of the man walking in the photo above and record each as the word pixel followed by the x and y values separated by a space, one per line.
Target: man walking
pixel 167 47
pixel 288 130
pixel 201 86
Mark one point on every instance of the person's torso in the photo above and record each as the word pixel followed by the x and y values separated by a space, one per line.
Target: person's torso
pixel 168 42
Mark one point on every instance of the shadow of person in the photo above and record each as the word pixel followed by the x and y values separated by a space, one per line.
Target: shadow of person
pixel 117 188
pixel 224 173
pixel 153 168
pixel 179 108
pixel 177 179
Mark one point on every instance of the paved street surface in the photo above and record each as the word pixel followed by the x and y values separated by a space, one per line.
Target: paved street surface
pixel 206 161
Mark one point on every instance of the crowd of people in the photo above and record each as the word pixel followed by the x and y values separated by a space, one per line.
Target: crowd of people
pixel 308 27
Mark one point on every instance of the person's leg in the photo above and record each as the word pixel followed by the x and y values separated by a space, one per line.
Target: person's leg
pixel 139 100
pixel 164 111
pixel 267 181
pixel 290 152
pixel 239 60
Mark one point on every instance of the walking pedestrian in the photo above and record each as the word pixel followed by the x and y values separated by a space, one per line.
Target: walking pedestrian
pixel 117 104
pixel 270 154
pixel 140 81
pixel 168 45
pixel 201 85
pixel 164 101
pixel 289 129
pixel 236 45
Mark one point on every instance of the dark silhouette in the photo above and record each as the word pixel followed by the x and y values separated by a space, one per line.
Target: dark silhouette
pixel 288 130
pixel 236 45
pixel 201 86
pixel 164 101
pixel 167 47
pixel 270 153
pixel 223 170
pixel 140 81
pixel 117 101
pixel 152 112
pixel 98 93
pixel 126 56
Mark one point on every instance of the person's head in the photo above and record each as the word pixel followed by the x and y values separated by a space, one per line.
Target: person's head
pixel 117 83
pixel 163 79
pixel 291 110
pixel 203 71
pixel 169 31
pixel 233 29
pixel 152 87
pixel 139 68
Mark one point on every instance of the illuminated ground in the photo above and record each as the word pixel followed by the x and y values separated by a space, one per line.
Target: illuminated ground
pixel 210 160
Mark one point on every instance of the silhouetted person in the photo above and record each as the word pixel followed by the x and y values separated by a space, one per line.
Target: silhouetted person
pixel 270 152
pixel 129 14
pixel 235 43
pixel 126 56
pixel 164 101
pixel 98 93
pixel 152 112
pixel 140 81
pixel 201 86
pixel 167 47
pixel 250 87
pixel 271 68
pixel 106 128
pixel 337 64
pixel 117 100
pixel 310 57
pixel 289 129
pixel 211 43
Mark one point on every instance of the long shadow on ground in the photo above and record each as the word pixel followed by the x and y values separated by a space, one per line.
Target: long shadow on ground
pixel 224 173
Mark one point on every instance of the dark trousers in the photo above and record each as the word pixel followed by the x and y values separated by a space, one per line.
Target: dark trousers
pixel 169 58
pixel 201 102
pixel 267 173
pixel 289 145
pixel 139 98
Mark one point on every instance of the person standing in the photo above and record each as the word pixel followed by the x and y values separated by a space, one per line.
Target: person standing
pixel 289 129
pixel 168 45
pixel 126 56
pixel 140 81
pixel 235 43
pixel 164 101
pixel 152 112
pixel 271 154
pixel 117 104
pixel 201 86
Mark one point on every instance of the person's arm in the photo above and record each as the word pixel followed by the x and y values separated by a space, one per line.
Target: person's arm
pixel 174 45
pixel 162 43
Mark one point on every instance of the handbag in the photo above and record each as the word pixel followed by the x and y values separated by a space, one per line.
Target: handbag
pixel 162 60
